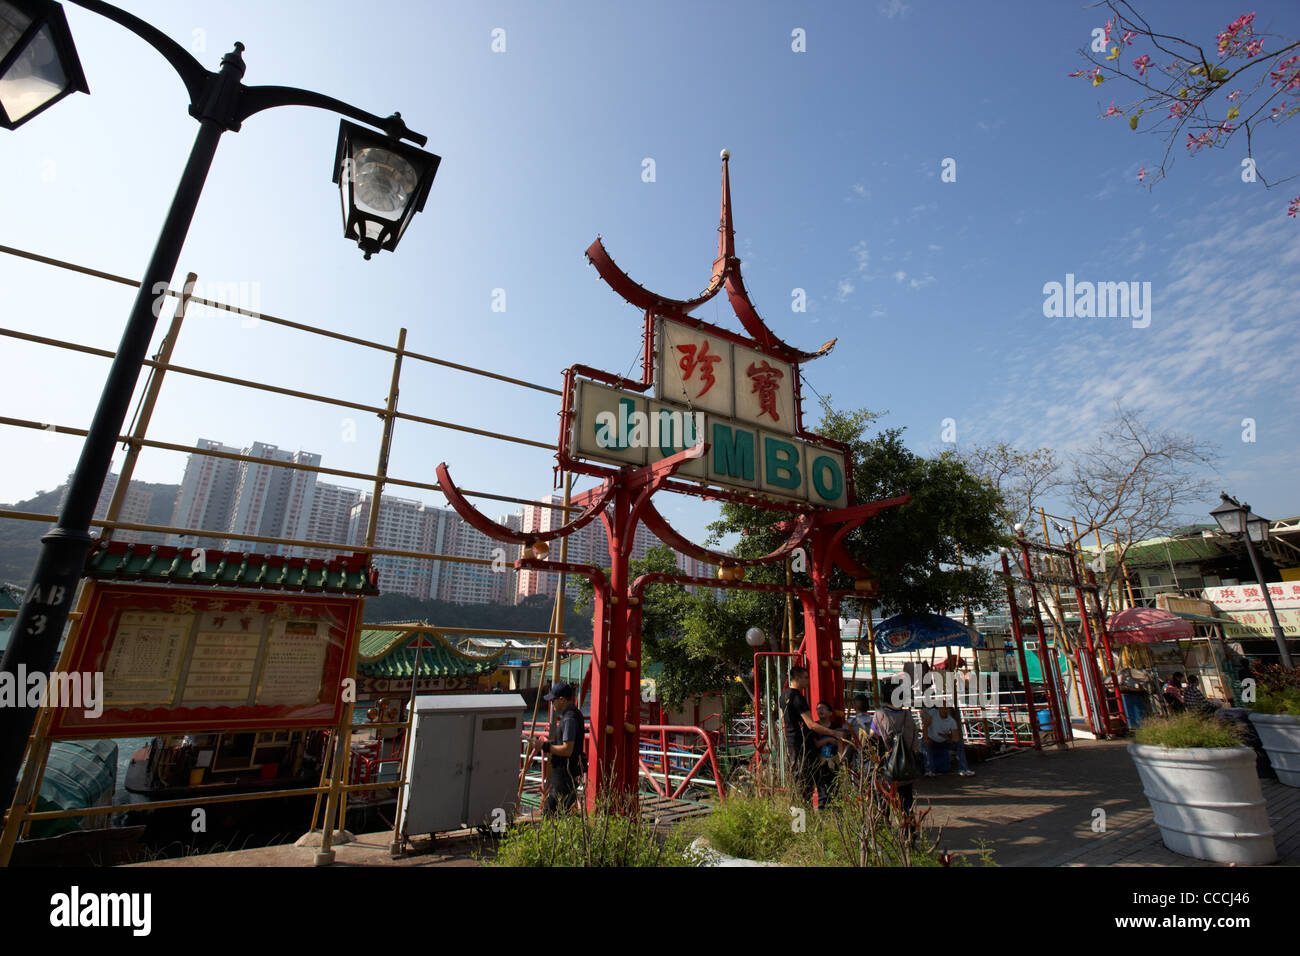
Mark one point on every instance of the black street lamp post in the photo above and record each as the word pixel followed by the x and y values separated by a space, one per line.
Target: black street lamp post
pixel 382 190
pixel 1237 519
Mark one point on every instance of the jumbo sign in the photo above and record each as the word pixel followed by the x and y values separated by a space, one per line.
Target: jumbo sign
pixel 738 400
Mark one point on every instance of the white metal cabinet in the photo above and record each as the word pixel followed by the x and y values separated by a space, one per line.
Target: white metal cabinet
pixel 464 761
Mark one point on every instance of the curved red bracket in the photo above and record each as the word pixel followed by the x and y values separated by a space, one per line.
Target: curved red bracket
pixel 666 533
pixel 637 294
pixel 600 497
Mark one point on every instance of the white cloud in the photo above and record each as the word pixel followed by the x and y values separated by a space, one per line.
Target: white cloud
pixel 844 291
pixel 862 254
pixel 900 275
pixel 895 8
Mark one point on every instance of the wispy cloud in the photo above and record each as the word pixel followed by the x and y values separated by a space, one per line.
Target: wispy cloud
pixel 1221 345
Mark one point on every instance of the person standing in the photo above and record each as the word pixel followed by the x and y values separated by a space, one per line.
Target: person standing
pixel 892 722
pixel 801 732
pixel 564 748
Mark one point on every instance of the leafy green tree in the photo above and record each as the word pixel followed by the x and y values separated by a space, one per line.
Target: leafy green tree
pixel 926 553
pixel 698 639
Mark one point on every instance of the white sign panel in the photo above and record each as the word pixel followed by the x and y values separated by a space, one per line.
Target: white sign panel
pixel 695 369
pixel 1250 597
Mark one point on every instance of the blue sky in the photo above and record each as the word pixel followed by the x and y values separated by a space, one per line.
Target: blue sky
pixel 933 288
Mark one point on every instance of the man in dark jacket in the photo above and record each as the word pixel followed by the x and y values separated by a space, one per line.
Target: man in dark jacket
pixel 801 732
pixel 564 748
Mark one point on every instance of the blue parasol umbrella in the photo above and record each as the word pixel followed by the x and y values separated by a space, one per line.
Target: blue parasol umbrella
pixel 914 632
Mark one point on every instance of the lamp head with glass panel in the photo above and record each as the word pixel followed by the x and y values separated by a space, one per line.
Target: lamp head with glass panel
pixel 38 60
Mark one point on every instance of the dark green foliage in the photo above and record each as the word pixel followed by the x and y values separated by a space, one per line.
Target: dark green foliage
pixel 913 550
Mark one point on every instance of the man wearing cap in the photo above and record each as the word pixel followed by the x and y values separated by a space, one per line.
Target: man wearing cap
pixel 564 749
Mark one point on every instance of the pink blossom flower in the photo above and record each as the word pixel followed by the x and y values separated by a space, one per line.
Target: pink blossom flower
pixel 1253 47
pixel 1232 97
pixel 1128 37
pixel 1142 63
pixel 1294 208
pixel 1109 23
pixel 1142 171
pixel 1112 111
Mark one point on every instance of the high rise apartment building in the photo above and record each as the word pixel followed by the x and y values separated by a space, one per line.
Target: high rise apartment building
pixel 206 496
pixel 271 501
pixel 329 518
pixel 135 508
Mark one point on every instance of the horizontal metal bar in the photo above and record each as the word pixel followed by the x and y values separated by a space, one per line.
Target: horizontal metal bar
pixel 260 539
pixel 262 316
pixel 296 466
pixel 278 389
pixel 167 804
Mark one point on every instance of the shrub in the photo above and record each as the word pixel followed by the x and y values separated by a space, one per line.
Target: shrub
pixel 856 830
pixel 1277 690
pixel 1188 730
pixel 609 837
pixel 751 826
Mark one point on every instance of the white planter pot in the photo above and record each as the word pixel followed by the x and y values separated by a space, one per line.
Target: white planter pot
pixel 705 855
pixel 1207 802
pixel 1280 735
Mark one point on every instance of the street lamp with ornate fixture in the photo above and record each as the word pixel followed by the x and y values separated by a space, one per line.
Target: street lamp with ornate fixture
pixel 1238 520
pixel 383 183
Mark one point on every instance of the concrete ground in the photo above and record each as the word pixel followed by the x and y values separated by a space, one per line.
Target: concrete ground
pixel 1028 808
pixel 1038 809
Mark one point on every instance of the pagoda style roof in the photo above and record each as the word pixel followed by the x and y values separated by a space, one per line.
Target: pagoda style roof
pixel 393 654
pixel 726 274
pixel 155 563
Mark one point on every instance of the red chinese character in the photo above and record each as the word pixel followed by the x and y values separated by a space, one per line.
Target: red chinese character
pixel 691 360
pixel 765 379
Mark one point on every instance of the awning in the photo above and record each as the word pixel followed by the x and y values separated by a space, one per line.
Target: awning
pixel 914 632
pixel 1147 625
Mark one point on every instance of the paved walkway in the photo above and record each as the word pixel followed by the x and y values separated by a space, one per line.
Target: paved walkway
pixel 1029 808
pixel 1039 809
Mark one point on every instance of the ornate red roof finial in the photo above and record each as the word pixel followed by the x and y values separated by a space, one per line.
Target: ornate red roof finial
pixel 726 271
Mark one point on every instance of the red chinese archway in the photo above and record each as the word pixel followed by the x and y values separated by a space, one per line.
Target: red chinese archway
pixel 624 498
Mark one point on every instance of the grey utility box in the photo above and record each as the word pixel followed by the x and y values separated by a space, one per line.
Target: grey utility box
pixel 464 758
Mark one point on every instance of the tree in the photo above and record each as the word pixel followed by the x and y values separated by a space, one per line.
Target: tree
pixel 1021 478
pixel 1132 478
pixel 1248 84
pixel 924 554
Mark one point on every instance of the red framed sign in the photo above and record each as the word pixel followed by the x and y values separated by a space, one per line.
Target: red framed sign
pixel 179 658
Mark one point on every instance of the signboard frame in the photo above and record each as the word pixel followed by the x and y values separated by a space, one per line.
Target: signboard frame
pixel 727 417
pixel 99 648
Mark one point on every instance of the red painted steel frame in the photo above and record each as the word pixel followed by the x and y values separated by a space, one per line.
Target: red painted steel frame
pixel 623 501
pixel 1046 661
pixel 1020 652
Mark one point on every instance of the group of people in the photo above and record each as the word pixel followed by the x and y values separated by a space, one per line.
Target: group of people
pixel 817 745
pixel 1187 696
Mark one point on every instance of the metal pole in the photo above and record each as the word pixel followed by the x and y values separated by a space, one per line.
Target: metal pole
pixel 145 413
pixel 1268 602
pixel 1014 611
pixel 38 627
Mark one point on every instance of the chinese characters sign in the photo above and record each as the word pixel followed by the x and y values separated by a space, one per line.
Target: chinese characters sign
pixel 180 658
pixel 738 400
pixel 1250 597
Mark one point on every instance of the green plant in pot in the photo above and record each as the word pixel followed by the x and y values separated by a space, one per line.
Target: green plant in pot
pixel 1204 794
pixel 1275 713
